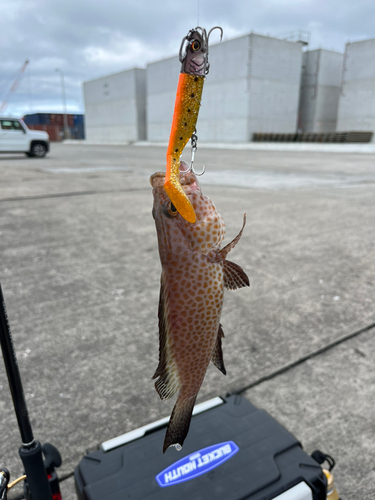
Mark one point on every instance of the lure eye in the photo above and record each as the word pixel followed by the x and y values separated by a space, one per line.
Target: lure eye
pixel 172 209
pixel 195 45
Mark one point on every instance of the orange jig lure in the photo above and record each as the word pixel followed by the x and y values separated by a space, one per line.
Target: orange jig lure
pixel 195 66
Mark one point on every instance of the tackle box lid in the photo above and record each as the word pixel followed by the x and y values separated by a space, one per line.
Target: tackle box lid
pixel 233 451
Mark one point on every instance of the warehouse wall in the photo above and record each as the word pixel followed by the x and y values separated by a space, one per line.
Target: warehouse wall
pixel 274 83
pixel 252 86
pixel 308 88
pixel 224 112
pixel 320 90
pixel 115 107
pixel 140 85
pixel 357 102
pixel 162 78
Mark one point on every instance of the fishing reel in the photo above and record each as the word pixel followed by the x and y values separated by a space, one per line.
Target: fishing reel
pixel 4 480
pixel 5 486
pixel 52 460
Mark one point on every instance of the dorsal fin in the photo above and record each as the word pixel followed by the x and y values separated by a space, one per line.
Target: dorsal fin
pixel 224 251
pixel 220 255
pixel 217 353
pixel 234 276
pixel 168 382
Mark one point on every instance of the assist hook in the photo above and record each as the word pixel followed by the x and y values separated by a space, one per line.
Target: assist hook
pixel 194 142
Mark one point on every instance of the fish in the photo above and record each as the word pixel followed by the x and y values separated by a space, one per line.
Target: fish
pixel 195 272
pixel 193 56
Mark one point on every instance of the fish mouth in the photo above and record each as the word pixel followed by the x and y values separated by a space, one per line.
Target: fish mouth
pixel 155 176
pixel 188 181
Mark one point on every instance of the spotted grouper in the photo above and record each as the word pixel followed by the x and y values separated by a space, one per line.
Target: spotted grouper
pixel 194 274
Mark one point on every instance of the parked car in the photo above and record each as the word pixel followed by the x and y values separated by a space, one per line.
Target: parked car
pixel 15 137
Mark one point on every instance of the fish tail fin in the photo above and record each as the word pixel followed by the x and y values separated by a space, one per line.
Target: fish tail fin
pixel 179 422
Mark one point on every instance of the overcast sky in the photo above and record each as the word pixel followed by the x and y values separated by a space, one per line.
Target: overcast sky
pixel 89 38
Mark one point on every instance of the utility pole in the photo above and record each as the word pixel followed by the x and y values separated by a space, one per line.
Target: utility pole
pixel 66 130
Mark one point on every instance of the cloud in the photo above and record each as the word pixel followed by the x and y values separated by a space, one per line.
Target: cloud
pixel 121 52
pixel 90 39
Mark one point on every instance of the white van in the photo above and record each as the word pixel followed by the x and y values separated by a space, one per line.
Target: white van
pixel 15 137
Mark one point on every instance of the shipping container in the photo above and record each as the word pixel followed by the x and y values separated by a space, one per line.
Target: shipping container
pixel 53 124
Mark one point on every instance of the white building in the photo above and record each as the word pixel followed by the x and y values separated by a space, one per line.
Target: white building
pixel 357 99
pixel 115 107
pixel 320 90
pixel 253 86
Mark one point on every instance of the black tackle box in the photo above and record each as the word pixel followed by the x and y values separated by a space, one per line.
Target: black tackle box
pixel 233 451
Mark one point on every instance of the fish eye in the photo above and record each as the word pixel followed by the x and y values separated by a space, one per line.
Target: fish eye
pixel 195 45
pixel 172 209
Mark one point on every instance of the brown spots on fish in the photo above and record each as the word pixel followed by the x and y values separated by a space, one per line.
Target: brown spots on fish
pixel 192 298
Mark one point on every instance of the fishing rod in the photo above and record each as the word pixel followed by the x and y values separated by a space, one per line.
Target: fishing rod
pixel 40 475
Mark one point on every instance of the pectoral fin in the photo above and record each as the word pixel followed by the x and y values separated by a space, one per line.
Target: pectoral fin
pixel 168 381
pixel 234 276
pixel 217 353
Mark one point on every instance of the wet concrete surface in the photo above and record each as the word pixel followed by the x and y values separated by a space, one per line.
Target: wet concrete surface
pixel 80 273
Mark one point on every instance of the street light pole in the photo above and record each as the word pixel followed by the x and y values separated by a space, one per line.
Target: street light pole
pixel 66 130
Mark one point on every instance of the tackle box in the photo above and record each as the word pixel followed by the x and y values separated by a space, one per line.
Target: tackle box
pixel 233 451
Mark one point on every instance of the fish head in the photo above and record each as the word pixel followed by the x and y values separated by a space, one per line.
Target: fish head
pixel 194 52
pixel 175 234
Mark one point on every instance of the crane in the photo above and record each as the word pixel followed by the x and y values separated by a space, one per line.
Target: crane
pixel 14 87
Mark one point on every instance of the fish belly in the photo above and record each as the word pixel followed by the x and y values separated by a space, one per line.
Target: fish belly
pixel 195 300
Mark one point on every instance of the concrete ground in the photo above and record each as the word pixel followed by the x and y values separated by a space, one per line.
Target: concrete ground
pixel 80 272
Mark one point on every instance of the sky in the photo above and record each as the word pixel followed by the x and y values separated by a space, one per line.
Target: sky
pixel 87 39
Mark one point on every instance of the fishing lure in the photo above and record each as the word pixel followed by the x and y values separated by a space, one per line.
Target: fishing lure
pixel 193 56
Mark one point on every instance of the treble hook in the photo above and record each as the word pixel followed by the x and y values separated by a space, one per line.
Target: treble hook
pixel 215 28
pixel 194 141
